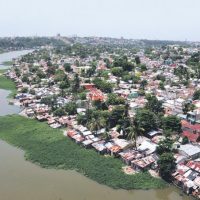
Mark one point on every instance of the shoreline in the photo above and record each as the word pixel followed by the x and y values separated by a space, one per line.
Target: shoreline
pixel 142 180
pixel 7 84
pixel 50 149
pixel 147 184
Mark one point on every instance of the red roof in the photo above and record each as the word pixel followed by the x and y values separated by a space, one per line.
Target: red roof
pixel 96 94
pixel 194 165
pixel 191 136
pixel 88 86
pixel 101 67
pixel 71 133
pixel 173 65
pixel 194 127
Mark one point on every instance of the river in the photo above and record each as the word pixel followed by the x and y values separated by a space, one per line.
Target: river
pixel 8 56
pixel 5 108
pixel 22 180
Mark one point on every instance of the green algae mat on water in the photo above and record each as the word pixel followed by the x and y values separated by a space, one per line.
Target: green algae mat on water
pixel 50 149
pixel 7 84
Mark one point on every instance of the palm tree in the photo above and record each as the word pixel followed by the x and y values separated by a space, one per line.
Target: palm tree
pixel 133 132
pixel 132 135
pixel 96 123
pixel 106 136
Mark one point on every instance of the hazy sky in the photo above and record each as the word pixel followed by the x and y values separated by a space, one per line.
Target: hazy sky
pixel 137 19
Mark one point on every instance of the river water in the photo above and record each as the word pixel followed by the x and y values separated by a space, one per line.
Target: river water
pixel 22 180
pixel 8 56
pixel 5 108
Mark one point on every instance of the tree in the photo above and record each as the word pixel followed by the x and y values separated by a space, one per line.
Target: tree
pixel 164 146
pixel 182 72
pixel 114 99
pixel 143 67
pixel 63 85
pixel 60 76
pixel 196 95
pixel 96 123
pixel 41 74
pixel 188 107
pixel 197 70
pixel 167 165
pixel 49 63
pixel 103 85
pixel 116 116
pixel 136 79
pixel 128 67
pixel 51 70
pixel 123 62
pixel 161 86
pixel 32 91
pixel 25 78
pixel 171 123
pixel 137 60
pixel 71 108
pixel 127 77
pixel 107 61
pixel 67 67
pixel 81 119
pixel 185 140
pixel 24 90
pixel 90 71
pixel 160 77
pixel 46 100
pixel 76 84
pixel 82 95
pixel 146 120
pixel 153 104
pixel 59 112
pixel 133 133
pixel 50 101
pixel 117 71
pixel 143 84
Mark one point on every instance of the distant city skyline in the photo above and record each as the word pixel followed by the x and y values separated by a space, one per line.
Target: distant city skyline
pixel 131 19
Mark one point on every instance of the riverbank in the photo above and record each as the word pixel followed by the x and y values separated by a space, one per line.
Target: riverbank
pixel 7 84
pixel 50 149
pixel 7 63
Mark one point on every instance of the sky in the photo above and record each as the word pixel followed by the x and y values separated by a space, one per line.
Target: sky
pixel 131 19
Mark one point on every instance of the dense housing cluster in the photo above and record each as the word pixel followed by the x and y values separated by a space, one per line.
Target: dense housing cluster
pixel 141 104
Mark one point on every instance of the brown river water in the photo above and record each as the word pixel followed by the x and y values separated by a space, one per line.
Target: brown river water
pixel 22 180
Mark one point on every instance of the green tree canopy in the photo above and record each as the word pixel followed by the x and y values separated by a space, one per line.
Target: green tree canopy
pixel 59 112
pixel 196 95
pixel 164 146
pixel 67 67
pixel 123 62
pixel 114 99
pixel 171 123
pixel 71 108
pixel 103 85
pixel 146 120
pixel 167 165
pixel 117 71
pixel 59 75
pixel 153 104
pixel 137 60
pixel 76 84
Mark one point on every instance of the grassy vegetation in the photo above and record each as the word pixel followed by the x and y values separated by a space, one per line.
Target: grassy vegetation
pixel 2 71
pixel 49 148
pixel 7 63
pixel 1 51
pixel 7 84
